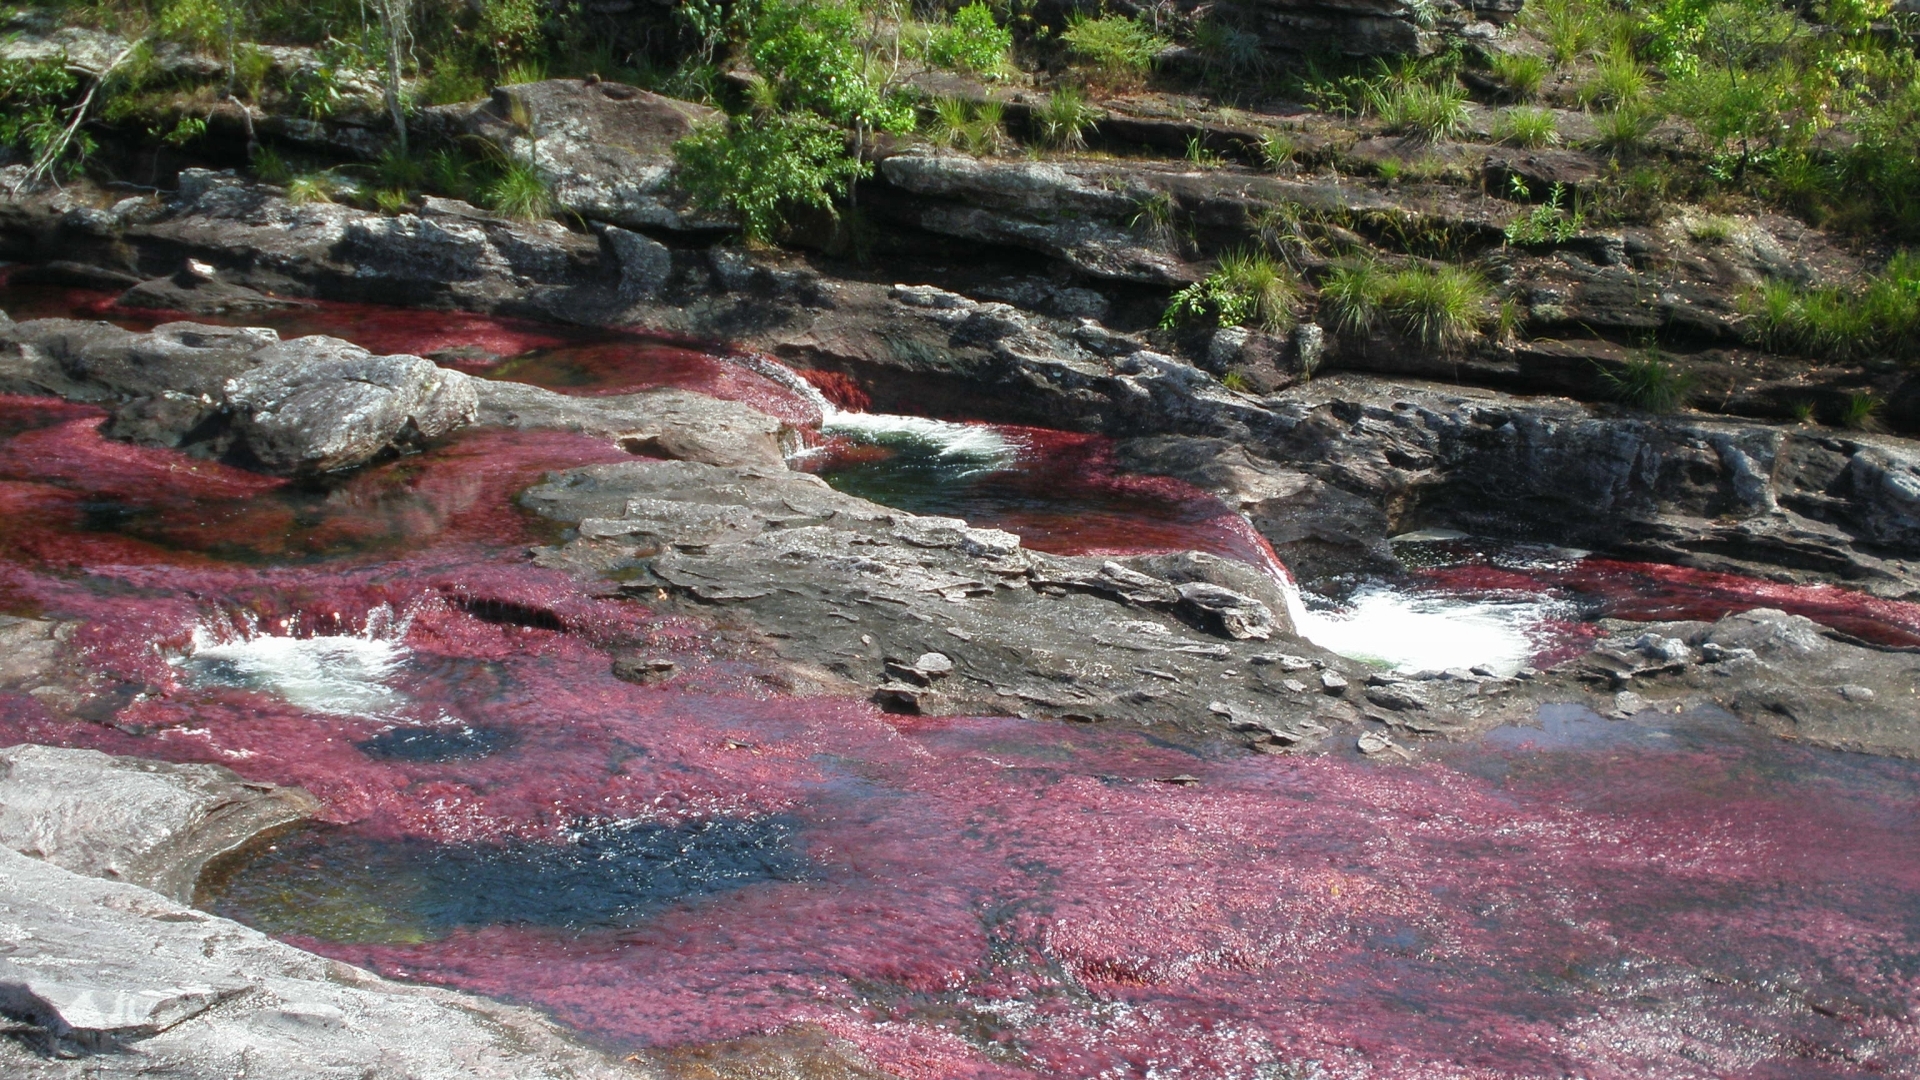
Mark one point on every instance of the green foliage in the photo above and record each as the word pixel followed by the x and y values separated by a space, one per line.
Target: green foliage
pixel 319 91
pixel 976 127
pixel 1521 73
pixel 762 168
pixel 1550 222
pixel 199 23
pixel 251 67
pixel 814 54
pixel 452 81
pixel 1153 215
pixel 1879 320
pixel 1862 412
pixel 1199 156
pixel 1647 382
pixel 971 41
pixel 1237 382
pixel 1442 307
pixel 1062 120
pixel 393 200
pixel 269 167
pixel 511 27
pixel 1712 229
pixel 1246 288
pixel 1527 127
pixel 1118 48
pixel 310 188
pixel 1227 51
pixel 33 94
pixel 1276 150
pixel 1570 28
pixel 397 169
pixel 1619 81
pixel 187 129
pixel 520 191
pixel 1421 110
pixel 1625 128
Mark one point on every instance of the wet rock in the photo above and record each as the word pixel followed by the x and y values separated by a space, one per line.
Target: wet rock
pixel 111 980
pixel 839 583
pixel 319 404
pixel 197 294
pixel 143 822
pixel 676 424
pixel 644 670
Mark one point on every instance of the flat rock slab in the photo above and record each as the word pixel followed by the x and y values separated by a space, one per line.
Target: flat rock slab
pixel 144 822
pixel 678 424
pixel 119 981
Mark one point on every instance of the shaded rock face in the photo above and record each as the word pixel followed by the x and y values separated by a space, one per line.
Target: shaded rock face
pixel 608 147
pixel 930 615
pixel 314 404
pixel 1367 27
pixel 142 822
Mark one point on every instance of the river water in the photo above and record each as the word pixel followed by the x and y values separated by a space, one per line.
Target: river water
pixel 1672 896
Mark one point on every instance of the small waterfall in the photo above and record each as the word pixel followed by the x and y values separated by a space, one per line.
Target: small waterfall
pixel 342 674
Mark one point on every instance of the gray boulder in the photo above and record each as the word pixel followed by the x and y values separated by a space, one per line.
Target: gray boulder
pixel 317 404
pixel 129 819
pixel 677 424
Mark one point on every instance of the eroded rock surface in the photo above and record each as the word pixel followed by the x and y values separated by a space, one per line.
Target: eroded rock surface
pixel 930 615
pixel 142 822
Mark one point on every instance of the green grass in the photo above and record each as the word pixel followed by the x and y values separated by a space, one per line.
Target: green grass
pixel 1625 128
pixel 977 127
pixel 310 188
pixel 1862 412
pixel 1117 48
pixel 1061 122
pixel 1246 288
pixel 1521 73
pixel 1527 127
pixel 1878 321
pixel 1442 307
pixel 1422 111
pixel 1619 81
pixel 1276 150
pixel 1569 28
pixel 1649 383
pixel 520 191
pixel 1712 228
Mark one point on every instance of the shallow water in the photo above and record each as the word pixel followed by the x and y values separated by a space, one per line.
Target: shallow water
pixel 1675 896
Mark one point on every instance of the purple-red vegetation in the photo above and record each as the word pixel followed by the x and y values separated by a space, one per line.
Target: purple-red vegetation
pixel 989 897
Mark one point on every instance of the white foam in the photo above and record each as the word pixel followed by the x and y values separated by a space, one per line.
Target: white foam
pixel 338 674
pixel 981 446
pixel 1411 632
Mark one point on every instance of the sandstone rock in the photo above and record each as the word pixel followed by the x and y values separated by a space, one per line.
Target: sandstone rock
pixel 142 822
pixel 317 404
pixel 197 294
pixel 676 424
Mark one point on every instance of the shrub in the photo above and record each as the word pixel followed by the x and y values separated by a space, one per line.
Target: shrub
pixel 971 41
pixel 521 192
pixel 1427 112
pixel 812 52
pixel 1244 289
pixel 511 28
pixel 251 66
pixel 32 96
pixel 1527 127
pixel 1062 120
pixel 1647 382
pixel 1550 222
pixel 1119 48
pixel 450 83
pixel 763 167
pixel 1521 73
pixel 199 23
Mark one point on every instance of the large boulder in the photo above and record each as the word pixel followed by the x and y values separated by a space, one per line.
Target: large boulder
pixel 677 424
pixel 607 147
pixel 317 404
pixel 129 819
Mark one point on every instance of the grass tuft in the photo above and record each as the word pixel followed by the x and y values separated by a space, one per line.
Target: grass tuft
pixel 1527 127
pixel 1246 288
pixel 1649 383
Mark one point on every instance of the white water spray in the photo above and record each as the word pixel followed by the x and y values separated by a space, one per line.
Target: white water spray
pixel 1410 632
pixel 338 674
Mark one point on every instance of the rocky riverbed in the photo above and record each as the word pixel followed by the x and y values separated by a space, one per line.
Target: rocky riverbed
pixel 410 612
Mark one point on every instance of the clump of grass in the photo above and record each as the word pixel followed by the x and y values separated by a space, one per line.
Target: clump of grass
pixel 395 169
pixel 1550 222
pixel 1802 411
pixel 393 200
pixel 520 191
pixel 1881 319
pixel 1528 127
pixel 1862 412
pixel 976 127
pixel 1153 216
pixel 1619 81
pixel 1712 229
pixel 1521 73
pixel 1389 169
pixel 1649 383
pixel 1276 150
pixel 310 188
pixel 1246 288
pixel 1119 49
pixel 1199 156
pixel 1443 307
pixel 1569 27
pixel 1062 121
pixel 269 167
pixel 1432 113
pixel 1624 128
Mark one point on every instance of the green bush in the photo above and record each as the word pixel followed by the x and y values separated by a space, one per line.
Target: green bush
pixel 33 96
pixel 199 23
pixel 972 41
pixel 761 168
pixel 1550 222
pixel 451 82
pixel 1245 289
pixel 511 28
pixel 1119 48
pixel 812 52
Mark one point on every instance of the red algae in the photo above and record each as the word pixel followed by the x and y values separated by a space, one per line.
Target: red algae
pixel 982 896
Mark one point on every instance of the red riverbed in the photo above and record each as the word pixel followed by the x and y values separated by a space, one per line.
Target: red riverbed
pixel 983 897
